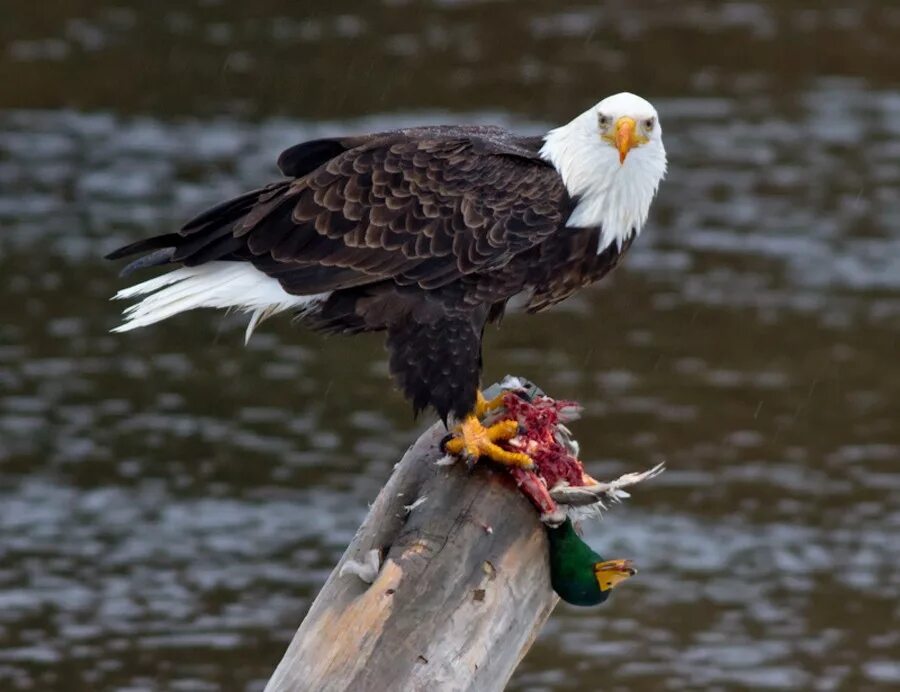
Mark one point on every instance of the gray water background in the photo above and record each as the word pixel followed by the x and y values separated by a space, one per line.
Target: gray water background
pixel 170 501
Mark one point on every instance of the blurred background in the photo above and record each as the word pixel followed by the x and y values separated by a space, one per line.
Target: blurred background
pixel 170 501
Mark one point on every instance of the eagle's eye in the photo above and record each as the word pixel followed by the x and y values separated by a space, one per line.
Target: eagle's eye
pixel 603 121
pixel 649 123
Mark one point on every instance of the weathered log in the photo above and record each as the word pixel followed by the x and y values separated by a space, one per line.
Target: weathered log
pixel 461 594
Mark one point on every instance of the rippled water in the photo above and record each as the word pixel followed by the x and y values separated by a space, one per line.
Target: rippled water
pixel 170 501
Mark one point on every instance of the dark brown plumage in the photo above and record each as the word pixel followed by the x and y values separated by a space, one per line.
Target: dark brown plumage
pixel 424 233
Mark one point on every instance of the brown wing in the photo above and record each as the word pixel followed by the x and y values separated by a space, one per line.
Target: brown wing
pixel 418 206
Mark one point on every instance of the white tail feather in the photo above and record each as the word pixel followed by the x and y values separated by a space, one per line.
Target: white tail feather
pixel 214 285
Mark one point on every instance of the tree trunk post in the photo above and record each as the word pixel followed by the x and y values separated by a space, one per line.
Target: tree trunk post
pixel 462 590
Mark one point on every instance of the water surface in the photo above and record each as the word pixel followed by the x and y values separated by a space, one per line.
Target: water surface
pixel 171 501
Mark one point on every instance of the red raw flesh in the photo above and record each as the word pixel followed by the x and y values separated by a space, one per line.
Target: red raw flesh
pixel 538 420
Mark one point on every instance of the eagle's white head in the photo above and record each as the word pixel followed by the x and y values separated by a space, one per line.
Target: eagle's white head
pixel 611 159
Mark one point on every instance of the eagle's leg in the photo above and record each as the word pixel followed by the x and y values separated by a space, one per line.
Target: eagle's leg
pixel 472 440
pixel 424 352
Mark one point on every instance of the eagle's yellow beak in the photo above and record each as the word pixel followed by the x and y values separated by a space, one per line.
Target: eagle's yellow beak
pixel 625 136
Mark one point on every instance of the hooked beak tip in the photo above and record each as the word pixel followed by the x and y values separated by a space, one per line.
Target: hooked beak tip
pixel 625 137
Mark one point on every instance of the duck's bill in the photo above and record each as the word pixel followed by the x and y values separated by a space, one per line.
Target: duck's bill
pixel 611 573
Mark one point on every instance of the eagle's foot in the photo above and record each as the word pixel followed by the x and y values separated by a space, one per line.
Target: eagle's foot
pixel 472 441
pixel 484 406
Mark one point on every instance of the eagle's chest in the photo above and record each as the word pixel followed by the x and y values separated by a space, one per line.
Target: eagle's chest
pixel 543 275
pixel 574 267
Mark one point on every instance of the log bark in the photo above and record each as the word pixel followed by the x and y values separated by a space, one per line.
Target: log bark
pixel 461 594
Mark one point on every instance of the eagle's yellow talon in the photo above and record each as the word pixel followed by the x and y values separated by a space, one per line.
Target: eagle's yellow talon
pixel 482 405
pixel 503 430
pixel 472 440
pixel 454 445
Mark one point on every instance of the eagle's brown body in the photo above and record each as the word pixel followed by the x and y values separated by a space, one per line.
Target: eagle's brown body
pixel 424 233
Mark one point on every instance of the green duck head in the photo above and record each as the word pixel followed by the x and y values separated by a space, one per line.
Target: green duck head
pixel 578 574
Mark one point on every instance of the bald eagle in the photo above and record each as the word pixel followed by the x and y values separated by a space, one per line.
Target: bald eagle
pixel 426 234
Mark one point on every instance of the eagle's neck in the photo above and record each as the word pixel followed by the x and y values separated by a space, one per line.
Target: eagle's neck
pixel 608 194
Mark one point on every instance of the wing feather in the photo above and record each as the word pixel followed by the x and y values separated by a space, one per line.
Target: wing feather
pixel 424 207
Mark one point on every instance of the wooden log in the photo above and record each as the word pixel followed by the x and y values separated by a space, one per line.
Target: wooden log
pixel 461 594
